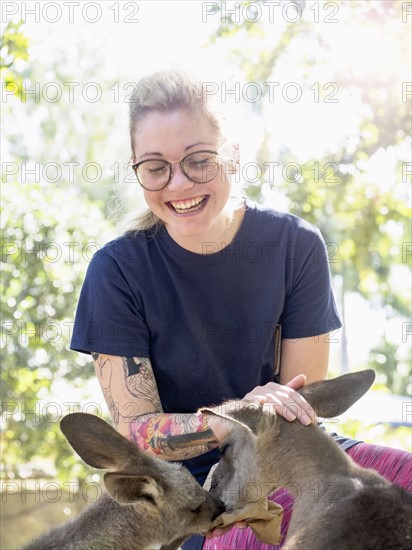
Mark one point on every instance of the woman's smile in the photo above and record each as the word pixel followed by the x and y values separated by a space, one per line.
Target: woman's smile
pixel 185 207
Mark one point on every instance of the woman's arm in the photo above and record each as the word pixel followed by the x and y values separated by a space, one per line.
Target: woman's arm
pixel 131 394
pixel 130 391
pixel 304 360
pixel 308 356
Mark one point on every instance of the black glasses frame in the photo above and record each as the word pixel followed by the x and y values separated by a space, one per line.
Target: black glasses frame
pixel 170 164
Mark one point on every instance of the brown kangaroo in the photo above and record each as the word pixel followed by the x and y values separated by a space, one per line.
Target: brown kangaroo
pixel 149 503
pixel 338 505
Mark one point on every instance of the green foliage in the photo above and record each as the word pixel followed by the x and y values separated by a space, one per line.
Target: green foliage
pixel 14 45
pixel 14 50
pixel 393 370
pixel 362 209
pixel 49 234
pixel 398 437
pixel 46 249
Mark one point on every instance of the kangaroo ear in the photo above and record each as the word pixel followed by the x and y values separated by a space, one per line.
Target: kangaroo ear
pixel 97 443
pixel 330 398
pixel 127 489
pixel 245 413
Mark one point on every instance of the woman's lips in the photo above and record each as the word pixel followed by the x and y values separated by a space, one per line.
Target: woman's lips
pixel 188 206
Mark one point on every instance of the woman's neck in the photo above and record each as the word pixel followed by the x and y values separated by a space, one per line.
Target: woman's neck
pixel 218 236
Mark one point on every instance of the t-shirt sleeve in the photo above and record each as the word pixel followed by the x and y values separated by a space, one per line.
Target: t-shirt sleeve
pixel 310 307
pixel 109 318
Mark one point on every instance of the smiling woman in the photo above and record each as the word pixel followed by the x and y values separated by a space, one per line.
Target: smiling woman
pixel 187 180
pixel 176 312
pixel 189 195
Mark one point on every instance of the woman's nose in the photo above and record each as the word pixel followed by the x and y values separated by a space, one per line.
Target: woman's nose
pixel 179 180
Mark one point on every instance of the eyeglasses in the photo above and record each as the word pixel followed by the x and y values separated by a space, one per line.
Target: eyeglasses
pixel 199 167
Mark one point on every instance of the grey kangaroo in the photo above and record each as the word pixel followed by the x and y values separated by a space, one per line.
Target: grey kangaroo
pixel 338 505
pixel 149 503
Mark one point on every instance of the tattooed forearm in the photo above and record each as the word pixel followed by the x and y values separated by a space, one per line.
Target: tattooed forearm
pixel 140 381
pixel 131 393
pixel 174 436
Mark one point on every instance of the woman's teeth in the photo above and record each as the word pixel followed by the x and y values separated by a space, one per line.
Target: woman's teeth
pixel 189 205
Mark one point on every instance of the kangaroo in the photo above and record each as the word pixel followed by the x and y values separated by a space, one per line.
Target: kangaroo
pixel 149 503
pixel 338 505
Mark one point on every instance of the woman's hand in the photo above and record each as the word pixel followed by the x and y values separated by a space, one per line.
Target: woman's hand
pixel 286 402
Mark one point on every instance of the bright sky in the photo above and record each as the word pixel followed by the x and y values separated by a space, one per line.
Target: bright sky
pixel 133 38
pixel 143 36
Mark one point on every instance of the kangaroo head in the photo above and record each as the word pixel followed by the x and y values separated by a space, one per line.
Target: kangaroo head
pixel 154 487
pixel 245 470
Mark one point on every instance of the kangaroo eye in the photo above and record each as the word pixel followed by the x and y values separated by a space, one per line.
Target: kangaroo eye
pixel 196 510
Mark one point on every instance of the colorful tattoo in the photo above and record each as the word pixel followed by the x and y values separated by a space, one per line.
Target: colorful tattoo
pixel 158 432
pixel 169 432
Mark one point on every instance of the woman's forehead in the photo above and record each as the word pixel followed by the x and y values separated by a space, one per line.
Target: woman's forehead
pixel 175 117
pixel 181 126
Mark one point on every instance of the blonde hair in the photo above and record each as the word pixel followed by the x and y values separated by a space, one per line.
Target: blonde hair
pixel 167 91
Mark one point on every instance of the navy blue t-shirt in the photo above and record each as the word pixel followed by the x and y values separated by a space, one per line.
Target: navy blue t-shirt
pixel 207 321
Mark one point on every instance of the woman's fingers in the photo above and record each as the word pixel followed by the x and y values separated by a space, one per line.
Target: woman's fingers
pixel 286 402
pixel 297 382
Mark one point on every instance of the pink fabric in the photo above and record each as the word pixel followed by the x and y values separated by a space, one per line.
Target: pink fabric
pixel 393 464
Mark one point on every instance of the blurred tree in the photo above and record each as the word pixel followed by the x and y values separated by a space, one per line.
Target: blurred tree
pixel 13 50
pixel 50 230
pixel 49 236
pixel 354 191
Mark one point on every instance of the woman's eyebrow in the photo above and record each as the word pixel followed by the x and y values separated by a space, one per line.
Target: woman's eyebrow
pixel 198 143
pixel 158 154
pixel 150 154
